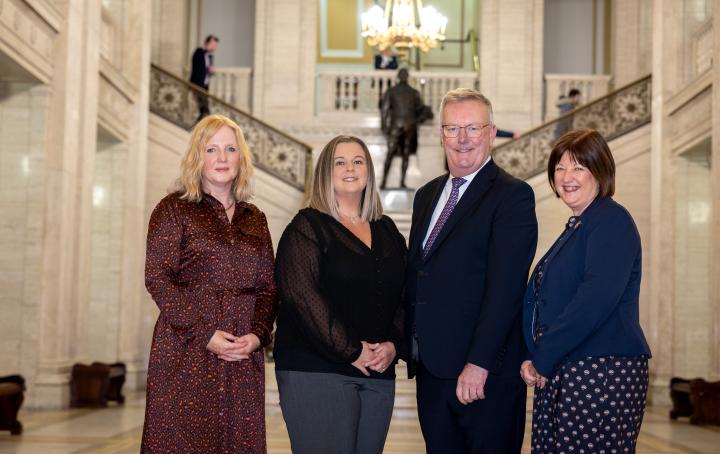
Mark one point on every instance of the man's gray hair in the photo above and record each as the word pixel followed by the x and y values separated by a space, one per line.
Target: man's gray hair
pixel 466 94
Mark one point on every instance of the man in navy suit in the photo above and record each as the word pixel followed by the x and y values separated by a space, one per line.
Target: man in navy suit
pixel 472 240
pixel 202 70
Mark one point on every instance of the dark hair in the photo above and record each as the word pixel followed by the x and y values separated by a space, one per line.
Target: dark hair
pixel 589 149
pixel 209 38
pixel 573 92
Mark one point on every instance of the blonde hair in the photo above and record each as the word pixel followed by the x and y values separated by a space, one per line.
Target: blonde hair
pixel 465 94
pixel 322 196
pixel 190 182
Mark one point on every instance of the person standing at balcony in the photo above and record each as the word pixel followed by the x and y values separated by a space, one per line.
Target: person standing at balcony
pixel 566 104
pixel 472 241
pixel 386 60
pixel 401 113
pixel 588 356
pixel 201 72
pixel 209 268
pixel 339 274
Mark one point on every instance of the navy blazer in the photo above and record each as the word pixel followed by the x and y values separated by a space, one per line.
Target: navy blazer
pixel 589 295
pixel 199 70
pixel 465 298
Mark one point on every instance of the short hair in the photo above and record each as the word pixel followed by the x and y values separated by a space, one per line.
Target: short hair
pixel 466 94
pixel 190 182
pixel 209 38
pixel 588 148
pixel 322 196
pixel 573 92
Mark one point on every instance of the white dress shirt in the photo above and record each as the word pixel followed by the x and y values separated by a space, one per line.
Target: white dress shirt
pixel 446 195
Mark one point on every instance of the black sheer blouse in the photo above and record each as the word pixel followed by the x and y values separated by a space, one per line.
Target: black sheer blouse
pixel 335 292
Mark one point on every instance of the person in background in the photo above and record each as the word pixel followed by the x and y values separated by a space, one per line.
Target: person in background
pixel 386 60
pixel 504 134
pixel 588 357
pixel 566 104
pixel 209 268
pixel 202 70
pixel 339 274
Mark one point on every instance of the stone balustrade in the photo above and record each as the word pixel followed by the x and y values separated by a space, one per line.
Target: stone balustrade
pixel 362 91
pixel 591 86
pixel 233 85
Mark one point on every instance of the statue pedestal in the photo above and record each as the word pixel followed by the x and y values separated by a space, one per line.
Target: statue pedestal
pixel 397 199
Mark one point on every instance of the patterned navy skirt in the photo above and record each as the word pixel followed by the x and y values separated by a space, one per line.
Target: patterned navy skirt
pixel 595 405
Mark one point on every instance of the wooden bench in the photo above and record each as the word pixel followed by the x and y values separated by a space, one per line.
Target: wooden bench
pixel 697 399
pixel 12 394
pixel 96 384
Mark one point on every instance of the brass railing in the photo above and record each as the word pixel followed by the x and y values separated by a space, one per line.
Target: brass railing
pixel 615 114
pixel 273 151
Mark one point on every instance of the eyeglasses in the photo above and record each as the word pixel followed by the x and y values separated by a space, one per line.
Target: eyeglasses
pixel 472 131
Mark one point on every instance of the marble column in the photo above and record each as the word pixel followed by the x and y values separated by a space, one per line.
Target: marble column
pixel 171 34
pixel 134 345
pixel 661 270
pixel 715 194
pixel 285 56
pixel 511 60
pixel 631 40
pixel 69 166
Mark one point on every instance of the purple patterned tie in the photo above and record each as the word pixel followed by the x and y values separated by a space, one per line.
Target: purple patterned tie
pixel 445 214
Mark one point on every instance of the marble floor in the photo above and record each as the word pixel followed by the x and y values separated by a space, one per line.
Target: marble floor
pixel 117 429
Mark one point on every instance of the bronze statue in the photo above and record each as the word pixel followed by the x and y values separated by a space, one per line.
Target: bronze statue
pixel 402 110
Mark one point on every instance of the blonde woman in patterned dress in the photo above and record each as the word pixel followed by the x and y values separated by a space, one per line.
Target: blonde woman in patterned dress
pixel 210 270
pixel 588 356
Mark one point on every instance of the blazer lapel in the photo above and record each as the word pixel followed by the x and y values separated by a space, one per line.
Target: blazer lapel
pixel 425 215
pixel 480 185
pixel 559 243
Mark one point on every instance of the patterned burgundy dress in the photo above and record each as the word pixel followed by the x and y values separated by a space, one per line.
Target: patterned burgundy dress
pixel 207 273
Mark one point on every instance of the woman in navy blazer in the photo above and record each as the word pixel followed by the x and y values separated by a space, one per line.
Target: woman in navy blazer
pixel 588 357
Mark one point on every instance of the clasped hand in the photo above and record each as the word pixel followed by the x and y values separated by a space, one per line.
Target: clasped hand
pixel 229 347
pixel 531 376
pixel 377 357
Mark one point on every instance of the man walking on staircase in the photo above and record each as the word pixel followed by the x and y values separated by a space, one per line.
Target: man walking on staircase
pixel 472 239
pixel 202 70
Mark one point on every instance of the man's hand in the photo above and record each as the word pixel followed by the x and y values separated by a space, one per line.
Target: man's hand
pixel 471 384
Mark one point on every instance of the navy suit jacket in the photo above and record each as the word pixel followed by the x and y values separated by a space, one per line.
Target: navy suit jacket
pixel 589 296
pixel 199 71
pixel 465 297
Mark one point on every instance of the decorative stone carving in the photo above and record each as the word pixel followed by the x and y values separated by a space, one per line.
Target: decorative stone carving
pixel 613 115
pixel 273 151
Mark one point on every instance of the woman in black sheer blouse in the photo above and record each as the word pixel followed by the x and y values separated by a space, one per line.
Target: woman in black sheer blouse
pixel 339 271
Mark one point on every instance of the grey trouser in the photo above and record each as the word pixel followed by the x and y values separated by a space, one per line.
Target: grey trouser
pixel 335 414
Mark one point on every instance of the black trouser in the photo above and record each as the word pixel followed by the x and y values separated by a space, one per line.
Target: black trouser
pixel 203 104
pixel 494 425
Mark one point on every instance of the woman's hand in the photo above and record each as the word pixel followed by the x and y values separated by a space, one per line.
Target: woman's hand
pixel 366 355
pixel 229 347
pixel 383 356
pixel 531 376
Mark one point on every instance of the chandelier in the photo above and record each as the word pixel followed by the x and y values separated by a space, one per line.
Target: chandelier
pixel 396 26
